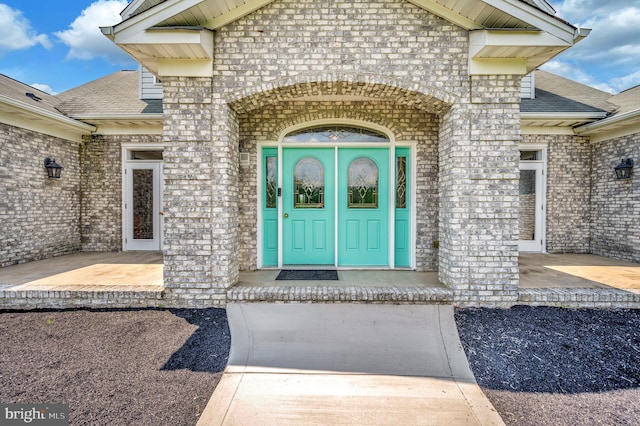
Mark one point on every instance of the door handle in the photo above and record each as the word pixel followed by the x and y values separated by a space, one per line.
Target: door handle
pixel 161 213
pixel 286 215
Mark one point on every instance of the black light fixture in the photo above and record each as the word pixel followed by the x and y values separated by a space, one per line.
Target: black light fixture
pixel 53 169
pixel 623 170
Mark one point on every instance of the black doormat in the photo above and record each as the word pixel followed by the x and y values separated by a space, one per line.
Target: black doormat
pixel 307 275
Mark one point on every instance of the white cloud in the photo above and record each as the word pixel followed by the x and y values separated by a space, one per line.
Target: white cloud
pixel 609 55
pixel 84 37
pixel 16 32
pixel 44 87
pixel 574 73
pixel 627 81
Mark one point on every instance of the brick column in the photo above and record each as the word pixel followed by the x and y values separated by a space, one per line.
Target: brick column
pixel 200 194
pixel 479 174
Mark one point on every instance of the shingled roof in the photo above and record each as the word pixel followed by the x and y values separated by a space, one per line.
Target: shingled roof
pixel 116 93
pixel 555 94
pixel 27 95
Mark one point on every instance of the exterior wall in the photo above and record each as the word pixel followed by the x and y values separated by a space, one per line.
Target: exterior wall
pixel 292 54
pixel 200 196
pixel 615 206
pixel 408 125
pixel 101 211
pixel 568 192
pixel 39 217
pixel 479 193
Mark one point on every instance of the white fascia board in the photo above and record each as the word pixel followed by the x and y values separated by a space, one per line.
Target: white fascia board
pixel 47 115
pixel 481 42
pixel 236 13
pixel 115 117
pixel 537 18
pixel 446 13
pixel 202 38
pixel 131 8
pixel 152 17
pixel 562 116
pixel 616 120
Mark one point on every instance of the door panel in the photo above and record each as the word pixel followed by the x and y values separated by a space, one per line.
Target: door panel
pixel 530 221
pixel 143 225
pixel 402 200
pixel 363 207
pixel 308 206
pixel 270 207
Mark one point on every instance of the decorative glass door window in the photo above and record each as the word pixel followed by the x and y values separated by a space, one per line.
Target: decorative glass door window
pixel 401 182
pixel 271 198
pixel 334 134
pixel 143 204
pixel 308 183
pixel 362 184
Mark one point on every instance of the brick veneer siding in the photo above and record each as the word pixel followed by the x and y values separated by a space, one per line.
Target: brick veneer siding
pixel 568 228
pixel 479 194
pixel 295 60
pixel 101 211
pixel 407 124
pixel 39 217
pixel 615 204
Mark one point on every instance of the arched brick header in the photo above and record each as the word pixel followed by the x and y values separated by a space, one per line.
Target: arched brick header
pixel 342 87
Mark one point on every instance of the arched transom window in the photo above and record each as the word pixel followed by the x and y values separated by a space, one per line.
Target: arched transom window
pixel 335 134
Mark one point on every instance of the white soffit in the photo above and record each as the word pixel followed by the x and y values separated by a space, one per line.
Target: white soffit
pixel 536 37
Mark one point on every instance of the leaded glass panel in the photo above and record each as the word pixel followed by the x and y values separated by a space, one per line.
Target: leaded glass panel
pixel 332 134
pixel 143 204
pixel 308 182
pixel 401 182
pixel 271 183
pixel 362 184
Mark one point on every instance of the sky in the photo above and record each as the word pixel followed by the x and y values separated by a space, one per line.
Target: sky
pixel 57 45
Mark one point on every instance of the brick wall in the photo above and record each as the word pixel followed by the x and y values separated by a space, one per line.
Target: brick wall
pixel 383 61
pixel 568 177
pixel 615 204
pixel 101 211
pixel 407 124
pixel 39 217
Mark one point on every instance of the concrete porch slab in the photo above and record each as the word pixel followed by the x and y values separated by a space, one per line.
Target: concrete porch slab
pixel 307 364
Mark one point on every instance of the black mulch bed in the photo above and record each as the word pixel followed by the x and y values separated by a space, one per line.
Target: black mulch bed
pixel 553 366
pixel 143 367
pixel 538 366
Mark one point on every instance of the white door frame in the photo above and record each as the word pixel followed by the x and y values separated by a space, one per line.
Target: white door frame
pixel 392 145
pixel 539 243
pixel 128 165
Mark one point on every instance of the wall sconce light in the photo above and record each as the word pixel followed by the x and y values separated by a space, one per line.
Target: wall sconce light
pixel 53 169
pixel 623 170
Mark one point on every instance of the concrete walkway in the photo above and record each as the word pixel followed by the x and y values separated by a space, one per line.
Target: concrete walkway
pixel 364 364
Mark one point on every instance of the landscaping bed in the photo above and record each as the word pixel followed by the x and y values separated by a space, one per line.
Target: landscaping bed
pixel 538 366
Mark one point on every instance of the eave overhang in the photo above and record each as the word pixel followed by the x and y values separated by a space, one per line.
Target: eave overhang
pixel 106 124
pixel 159 49
pixel 615 126
pixel 29 117
pixel 506 36
pixel 559 119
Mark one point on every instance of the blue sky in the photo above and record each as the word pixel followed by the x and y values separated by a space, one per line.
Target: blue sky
pixel 56 45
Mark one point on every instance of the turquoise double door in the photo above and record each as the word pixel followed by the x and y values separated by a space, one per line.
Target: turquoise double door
pixel 335 207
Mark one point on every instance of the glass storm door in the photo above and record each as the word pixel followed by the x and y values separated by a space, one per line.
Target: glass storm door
pixel 308 206
pixel 531 207
pixel 142 216
pixel 363 207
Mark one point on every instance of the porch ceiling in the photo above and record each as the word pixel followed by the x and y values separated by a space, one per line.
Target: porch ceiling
pixel 517 53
